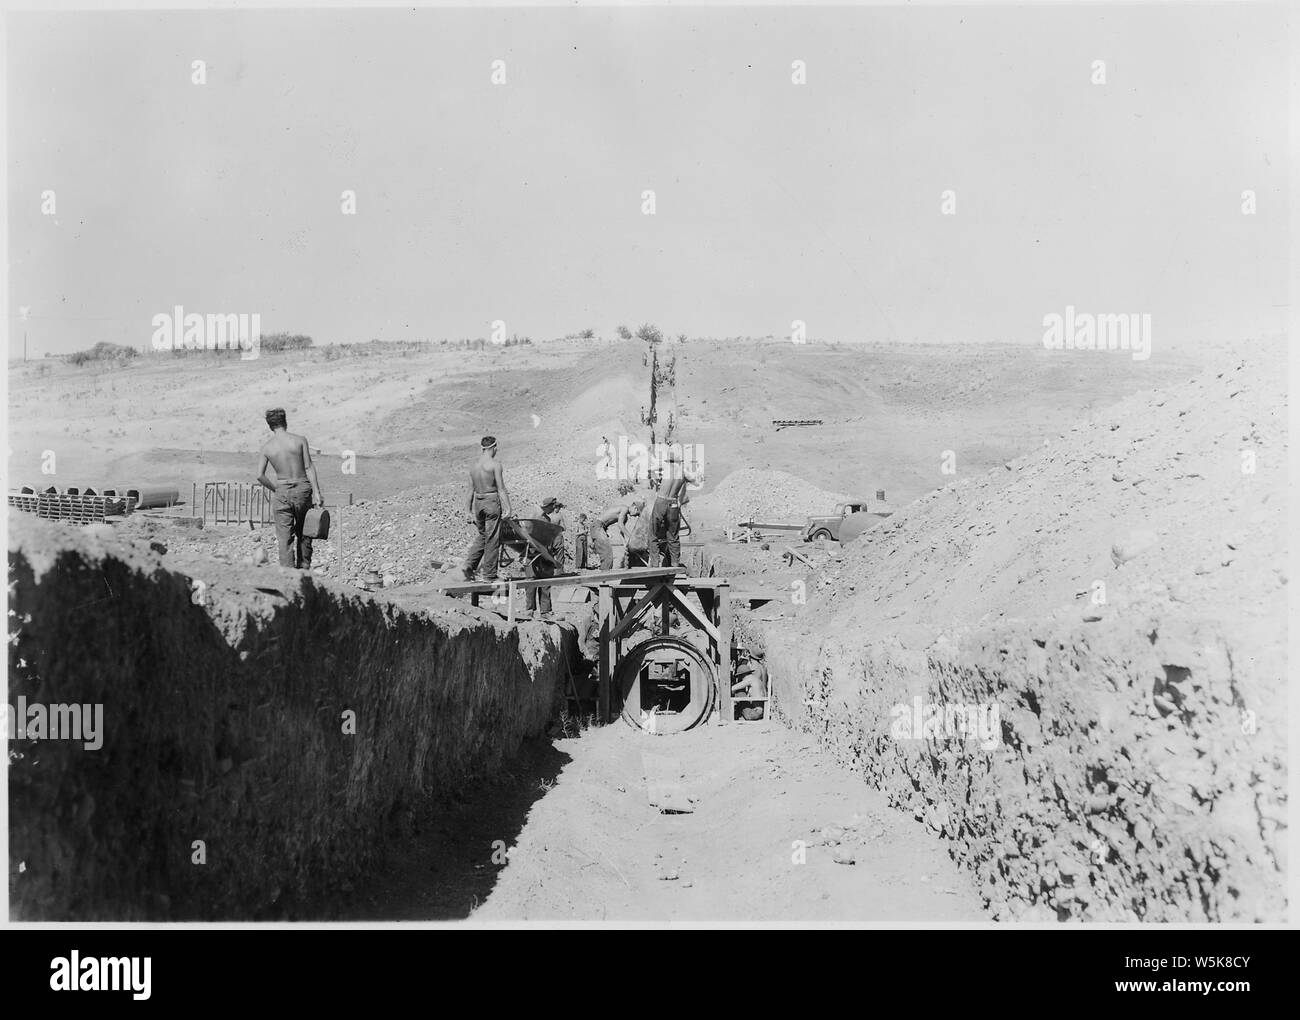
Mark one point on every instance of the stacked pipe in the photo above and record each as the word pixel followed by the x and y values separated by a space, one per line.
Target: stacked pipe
pixel 74 508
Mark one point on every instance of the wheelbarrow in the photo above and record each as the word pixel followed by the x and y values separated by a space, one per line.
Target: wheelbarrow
pixel 525 540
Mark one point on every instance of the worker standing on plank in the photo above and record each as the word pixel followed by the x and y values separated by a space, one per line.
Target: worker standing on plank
pixel 295 490
pixel 667 515
pixel 535 597
pixel 486 502
pixel 600 525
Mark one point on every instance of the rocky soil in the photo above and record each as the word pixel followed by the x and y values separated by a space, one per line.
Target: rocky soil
pixel 1119 596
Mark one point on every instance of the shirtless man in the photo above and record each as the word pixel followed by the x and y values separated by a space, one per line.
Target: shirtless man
pixel 295 489
pixel 666 517
pixel 486 502
pixel 600 525
pixel 750 681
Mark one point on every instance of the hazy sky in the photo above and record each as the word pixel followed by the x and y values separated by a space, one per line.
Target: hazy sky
pixel 775 201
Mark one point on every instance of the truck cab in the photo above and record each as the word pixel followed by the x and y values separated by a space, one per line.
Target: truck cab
pixel 828 525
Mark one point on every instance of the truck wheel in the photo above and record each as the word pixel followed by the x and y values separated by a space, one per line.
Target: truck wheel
pixel 820 533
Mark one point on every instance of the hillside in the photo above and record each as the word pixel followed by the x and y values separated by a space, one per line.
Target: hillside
pixel 1118 599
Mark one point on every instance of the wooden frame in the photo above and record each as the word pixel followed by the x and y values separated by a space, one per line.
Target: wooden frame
pixel 622 603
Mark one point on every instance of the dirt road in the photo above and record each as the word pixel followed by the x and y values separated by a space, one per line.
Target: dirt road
pixel 581 841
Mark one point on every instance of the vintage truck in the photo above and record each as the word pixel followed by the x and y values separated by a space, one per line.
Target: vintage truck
pixel 828 525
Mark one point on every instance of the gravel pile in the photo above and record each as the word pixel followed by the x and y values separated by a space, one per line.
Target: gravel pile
pixel 773 496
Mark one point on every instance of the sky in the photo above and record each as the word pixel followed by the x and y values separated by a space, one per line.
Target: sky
pixel 523 202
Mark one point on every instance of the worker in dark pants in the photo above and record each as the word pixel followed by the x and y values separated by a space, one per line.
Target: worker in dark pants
pixel 295 489
pixel 580 544
pixel 599 534
pixel 540 597
pixel 486 502
pixel 666 518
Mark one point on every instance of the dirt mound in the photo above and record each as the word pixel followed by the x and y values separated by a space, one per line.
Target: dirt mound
pixel 1115 604
pixel 772 496
pixel 1184 488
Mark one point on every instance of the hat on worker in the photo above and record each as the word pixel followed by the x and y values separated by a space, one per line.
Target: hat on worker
pixel 488 442
pixel 550 503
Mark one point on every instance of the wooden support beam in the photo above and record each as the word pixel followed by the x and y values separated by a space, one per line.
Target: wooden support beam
pixel 724 651
pixel 632 574
pixel 699 619
pixel 604 677
pixel 630 617
pixel 795 554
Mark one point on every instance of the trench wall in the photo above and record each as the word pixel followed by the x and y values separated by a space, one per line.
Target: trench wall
pixel 262 731
pixel 1138 772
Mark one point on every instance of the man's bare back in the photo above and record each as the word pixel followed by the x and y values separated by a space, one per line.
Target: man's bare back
pixel 612 514
pixel 290 455
pixel 674 481
pixel 485 476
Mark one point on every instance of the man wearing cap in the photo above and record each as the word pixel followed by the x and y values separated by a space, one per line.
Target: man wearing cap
pixel 486 502
pixel 600 525
pixel 294 490
pixel 666 517
pixel 540 596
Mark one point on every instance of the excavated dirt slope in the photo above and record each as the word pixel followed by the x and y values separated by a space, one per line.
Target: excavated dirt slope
pixel 229 782
pixel 1103 621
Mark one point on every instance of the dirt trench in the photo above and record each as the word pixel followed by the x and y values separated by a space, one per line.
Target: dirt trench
pixel 264 734
pixel 773 831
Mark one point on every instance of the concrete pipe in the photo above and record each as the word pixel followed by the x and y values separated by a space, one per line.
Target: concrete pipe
pixel 668 685
pixel 152 496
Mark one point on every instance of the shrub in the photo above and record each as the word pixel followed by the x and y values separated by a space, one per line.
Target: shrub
pixel 104 351
pixel 285 342
pixel 650 334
